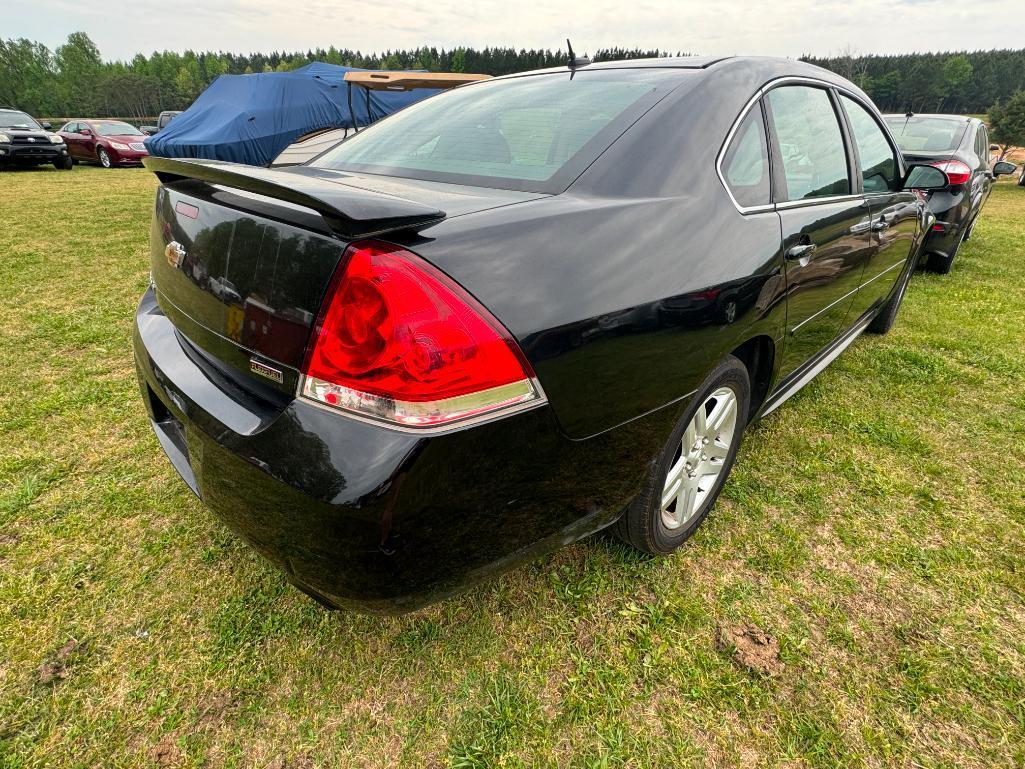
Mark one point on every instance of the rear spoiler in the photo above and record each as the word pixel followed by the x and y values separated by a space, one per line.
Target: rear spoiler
pixel 348 211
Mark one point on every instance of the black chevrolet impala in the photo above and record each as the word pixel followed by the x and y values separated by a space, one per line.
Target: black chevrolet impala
pixel 516 313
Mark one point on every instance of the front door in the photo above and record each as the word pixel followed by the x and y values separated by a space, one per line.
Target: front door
pixel 827 224
pixel 895 212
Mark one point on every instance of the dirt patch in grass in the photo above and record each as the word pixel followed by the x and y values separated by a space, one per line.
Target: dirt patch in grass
pixel 57 668
pixel 751 648
pixel 166 752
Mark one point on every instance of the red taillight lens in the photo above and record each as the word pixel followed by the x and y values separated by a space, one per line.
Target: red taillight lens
pixel 956 171
pixel 400 341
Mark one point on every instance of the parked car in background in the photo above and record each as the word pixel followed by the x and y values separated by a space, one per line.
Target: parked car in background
pixel 163 119
pixel 959 146
pixel 109 143
pixel 25 142
pixel 516 313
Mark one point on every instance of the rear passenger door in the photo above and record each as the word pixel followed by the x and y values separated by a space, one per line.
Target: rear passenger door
pixel 826 222
pixel 895 213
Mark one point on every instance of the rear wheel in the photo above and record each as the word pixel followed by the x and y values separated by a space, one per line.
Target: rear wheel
pixel 103 157
pixel 693 466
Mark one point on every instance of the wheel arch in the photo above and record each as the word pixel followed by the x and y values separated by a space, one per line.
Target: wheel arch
pixel 758 354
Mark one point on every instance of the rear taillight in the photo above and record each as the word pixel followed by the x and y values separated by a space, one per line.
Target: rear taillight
pixel 956 171
pixel 399 341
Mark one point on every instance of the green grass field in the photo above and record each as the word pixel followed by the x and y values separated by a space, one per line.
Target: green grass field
pixel 874 525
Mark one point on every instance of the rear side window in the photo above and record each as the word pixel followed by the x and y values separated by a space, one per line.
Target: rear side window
pixel 810 143
pixel 982 144
pixel 875 155
pixel 534 133
pixel 745 166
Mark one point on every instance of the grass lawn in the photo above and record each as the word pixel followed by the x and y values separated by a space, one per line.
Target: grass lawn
pixel 874 525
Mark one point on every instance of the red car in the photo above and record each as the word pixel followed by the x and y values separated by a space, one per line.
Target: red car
pixel 107 142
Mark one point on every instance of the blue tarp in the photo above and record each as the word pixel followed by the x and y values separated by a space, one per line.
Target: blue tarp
pixel 252 118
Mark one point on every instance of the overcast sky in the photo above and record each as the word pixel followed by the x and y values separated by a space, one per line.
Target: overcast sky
pixel 123 28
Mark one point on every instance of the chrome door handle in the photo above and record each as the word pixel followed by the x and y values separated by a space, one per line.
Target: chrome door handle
pixel 800 251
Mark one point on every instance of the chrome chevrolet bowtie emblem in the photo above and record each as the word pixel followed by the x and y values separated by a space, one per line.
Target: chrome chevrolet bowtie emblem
pixel 174 252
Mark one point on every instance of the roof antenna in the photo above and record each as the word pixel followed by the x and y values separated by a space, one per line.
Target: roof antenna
pixel 574 60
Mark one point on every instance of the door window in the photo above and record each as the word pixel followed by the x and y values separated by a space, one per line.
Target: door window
pixel 875 155
pixel 982 144
pixel 746 164
pixel 810 143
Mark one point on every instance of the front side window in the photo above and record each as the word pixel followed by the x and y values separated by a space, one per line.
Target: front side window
pixel 810 143
pixel 875 155
pixel 746 163
pixel 528 133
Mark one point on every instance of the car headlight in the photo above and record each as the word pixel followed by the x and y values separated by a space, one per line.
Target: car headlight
pixel 120 146
pixel 55 139
pixel 5 139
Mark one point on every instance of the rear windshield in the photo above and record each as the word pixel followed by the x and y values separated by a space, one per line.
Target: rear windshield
pixel 927 134
pixel 534 133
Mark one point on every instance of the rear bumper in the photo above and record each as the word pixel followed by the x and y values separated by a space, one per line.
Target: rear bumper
pixel 363 516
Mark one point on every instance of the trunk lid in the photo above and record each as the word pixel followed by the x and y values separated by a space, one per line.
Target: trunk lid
pixel 241 257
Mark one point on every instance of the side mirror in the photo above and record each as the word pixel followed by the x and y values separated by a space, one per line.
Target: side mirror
pixel 925 177
pixel 86 132
pixel 1003 168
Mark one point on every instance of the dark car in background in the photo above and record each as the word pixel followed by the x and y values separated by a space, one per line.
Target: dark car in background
pixel 163 119
pixel 25 142
pixel 109 143
pixel 516 313
pixel 959 146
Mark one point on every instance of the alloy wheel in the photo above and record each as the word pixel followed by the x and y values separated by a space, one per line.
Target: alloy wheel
pixel 700 458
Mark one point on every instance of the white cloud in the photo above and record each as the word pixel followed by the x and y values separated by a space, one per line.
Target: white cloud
pixel 783 28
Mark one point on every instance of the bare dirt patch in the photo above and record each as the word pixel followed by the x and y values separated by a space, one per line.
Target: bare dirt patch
pixel 166 752
pixel 751 648
pixel 56 669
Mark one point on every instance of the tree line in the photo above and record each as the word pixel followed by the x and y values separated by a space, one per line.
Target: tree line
pixel 959 82
pixel 74 80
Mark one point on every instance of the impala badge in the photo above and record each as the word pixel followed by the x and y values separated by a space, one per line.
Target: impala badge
pixel 264 370
pixel 174 252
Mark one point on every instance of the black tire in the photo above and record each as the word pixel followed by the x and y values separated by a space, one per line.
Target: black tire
pixel 642 525
pixel 883 322
pixel 104 158
pixel 63 164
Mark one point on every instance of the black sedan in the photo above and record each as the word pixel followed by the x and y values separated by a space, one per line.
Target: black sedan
pixel 960 147
pixel 516 313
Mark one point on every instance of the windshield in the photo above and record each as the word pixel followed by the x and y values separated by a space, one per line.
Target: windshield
pixel 112 128
pixel 927 134
pixel 13 119
pixel 534 133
